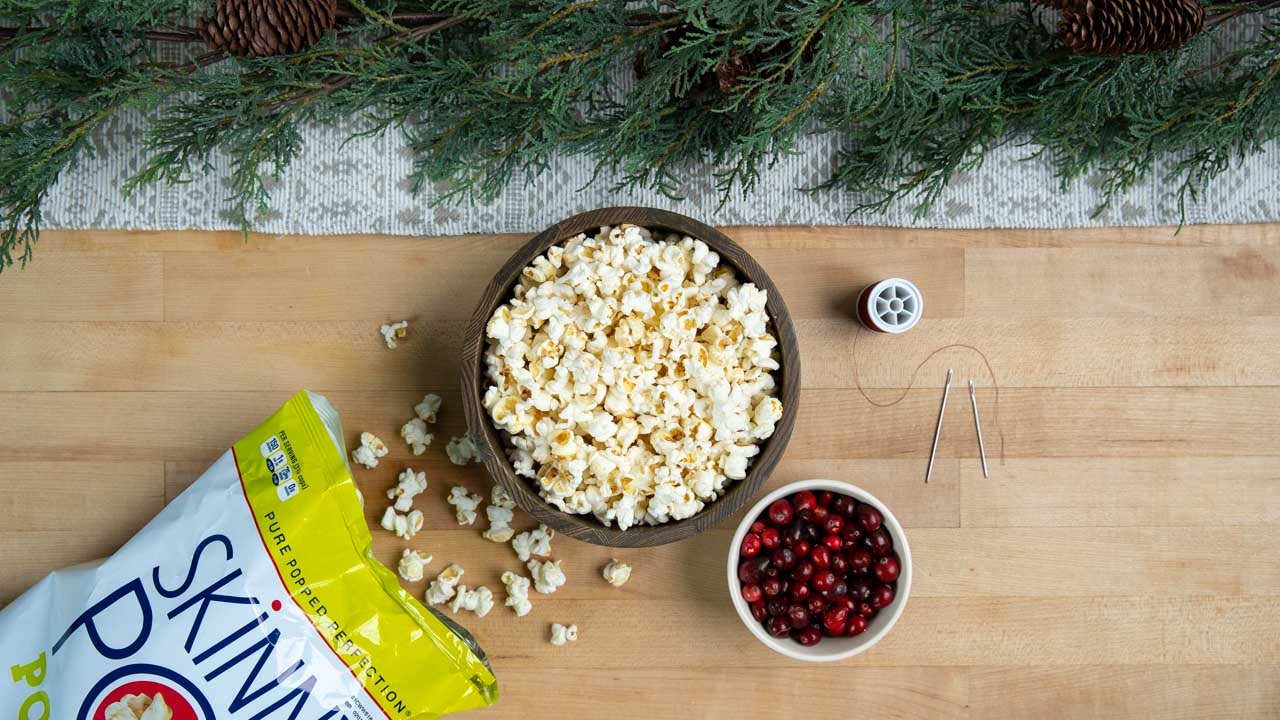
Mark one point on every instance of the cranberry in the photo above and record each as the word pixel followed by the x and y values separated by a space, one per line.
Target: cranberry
pixel 771 586
pixel 839 565
pixel 758 612
pixel 809 636
pixel 816 606
pixel 823 580
pixel 859 559
pixel 757 527
pixel 857 625
pixel 882 596
pixel 833 542
pixel 751 545
pixel 778 626
pixel 770 538
pixel 879 542
pixel 802 572
pixel 825 497
pixel 749 571
pixel 784 558
pixel 851 534
pixel 801 547
pixel 800 593
pixel 844 506
pixel 869 517
pixel 860 591
pixel 847 603
pixel 772 572
pixel 812 533
pixel 751 592
pixel 804 502
pixel 886 568
pixel 793 533
pixel 799 616
pixel 835 621
pixel 819 514
pixel 820 556
pixel 838 590
pixel 780 512
pixel 833 524
pixel 775 606
pixel 866 610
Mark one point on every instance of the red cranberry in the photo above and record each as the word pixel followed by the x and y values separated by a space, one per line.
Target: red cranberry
pixel 778 626
pixel 793 533
pixel 869 517
pixel 833 524
pixel 816 606
pixel 801 547
pixel 770 538
pixel 823 580
pixel 799 616
pixel 758 612
pixel 757 527
pixel 865 609
pixel 847 603
pixel 835 621
pixel 780 512
pixel 859 559
pixel 839 589
pixel 784 558
pixel 851 534
pixel 844 506
pixel 751 592
pixel 833 542
pixel 879 542
pixel 860 591
pixel 857 625
pixel 825 497
pixel 804 502
pixel 749 571
pixel 839 565
pixel 882 596
pixel 751 545
pixel 820 556
pixel 800 593
pixel 771 586
pixel 886 568
pixel 775 606
pixel 809 636
pixel 812 532
pixel 772 572
pixel 819 514
pixel 802 571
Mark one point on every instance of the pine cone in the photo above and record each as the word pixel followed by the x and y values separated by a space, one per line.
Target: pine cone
pixel 1129 27
pixel 259 28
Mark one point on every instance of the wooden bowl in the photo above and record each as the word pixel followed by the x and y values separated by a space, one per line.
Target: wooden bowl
pixel 492 441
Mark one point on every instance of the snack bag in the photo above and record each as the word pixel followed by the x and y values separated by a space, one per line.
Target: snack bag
pixel 253 595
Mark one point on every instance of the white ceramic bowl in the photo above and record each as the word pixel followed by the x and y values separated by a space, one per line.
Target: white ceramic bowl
pixel 830 649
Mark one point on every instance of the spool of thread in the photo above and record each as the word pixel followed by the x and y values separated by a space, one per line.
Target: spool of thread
pixel 890 306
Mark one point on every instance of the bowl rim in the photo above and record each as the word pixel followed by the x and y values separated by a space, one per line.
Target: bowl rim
pixel 858 644
pixel 490 443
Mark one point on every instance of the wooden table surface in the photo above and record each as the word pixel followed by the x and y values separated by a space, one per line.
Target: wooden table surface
pixel 1122 561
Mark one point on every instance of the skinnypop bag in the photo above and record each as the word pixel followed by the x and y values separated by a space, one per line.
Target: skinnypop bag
pixel 252 595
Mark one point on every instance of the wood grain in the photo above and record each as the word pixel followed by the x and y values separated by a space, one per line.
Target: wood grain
pixel 1118 563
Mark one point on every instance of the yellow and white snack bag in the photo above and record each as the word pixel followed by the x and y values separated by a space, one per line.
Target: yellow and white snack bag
pixel 253 595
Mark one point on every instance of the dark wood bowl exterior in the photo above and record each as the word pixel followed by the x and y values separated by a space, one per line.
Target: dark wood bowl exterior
pixel 492 443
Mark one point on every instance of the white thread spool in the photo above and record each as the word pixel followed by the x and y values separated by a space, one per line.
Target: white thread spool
pixel 890 306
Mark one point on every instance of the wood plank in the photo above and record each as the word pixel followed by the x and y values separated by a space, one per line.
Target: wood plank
pixel 85 286
pixel 1086 692
pixel 1103 492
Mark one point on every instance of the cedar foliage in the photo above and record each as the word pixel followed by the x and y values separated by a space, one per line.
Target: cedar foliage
pixel 487 91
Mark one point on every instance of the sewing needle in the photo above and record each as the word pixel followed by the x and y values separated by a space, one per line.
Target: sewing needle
pixel 977 425
pixel 937 432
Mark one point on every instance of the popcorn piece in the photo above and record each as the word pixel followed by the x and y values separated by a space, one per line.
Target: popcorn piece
pixel 616 573
pixel 410 485
pixel 547 575
pixel 517 593
pixel 500 498
pixel 442 588
pixel 411 564
pixel 533 542
pixel 415 434
pixel 465 504
pixel 561 634
pixel 463 450
pixel 500 530
pixel 404 526
pixel 393 332
pixel 428 408
pixel 478 601
pixel 371 448
pixel 157 710
pixel 139 707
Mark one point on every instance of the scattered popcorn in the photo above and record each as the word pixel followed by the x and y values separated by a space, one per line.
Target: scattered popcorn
pixel 427 409
pixel 411 564
pixel 410 485
pixel 442 588
pixel 465 504
pixel 561 634
pixel 463 450
pixel 139 707
pixel 478 601
pixel 393 332
pixel 499 497
pixel 517 593
pixel 501 512
pixel 415 434
pixel 617 573
pixel 547 575
pixel 633 376
pixel 533 542
pixel 405 526
pixel 371 448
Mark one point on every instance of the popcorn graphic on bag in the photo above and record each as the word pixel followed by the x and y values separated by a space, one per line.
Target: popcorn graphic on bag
pixel 139 707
